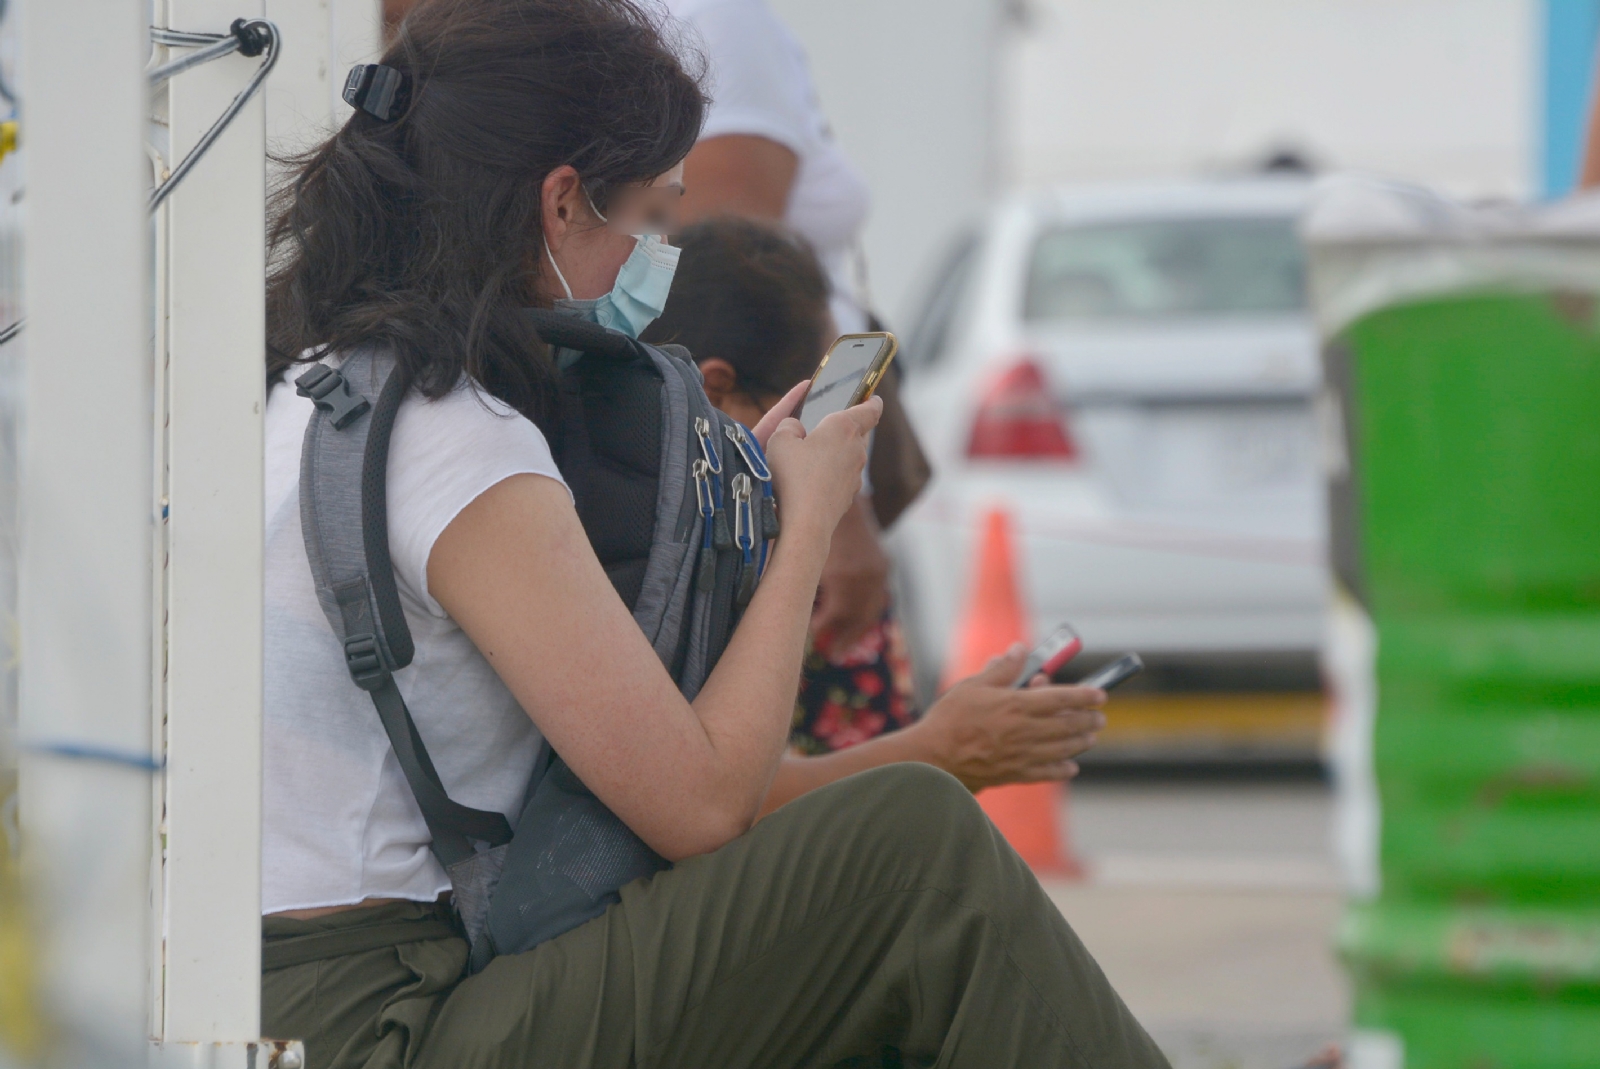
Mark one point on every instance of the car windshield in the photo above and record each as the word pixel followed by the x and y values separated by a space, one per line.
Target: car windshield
pixel 1167 267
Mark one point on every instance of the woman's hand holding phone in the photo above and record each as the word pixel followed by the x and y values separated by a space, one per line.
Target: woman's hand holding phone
pixel 818 475
pixel 779 412
pixel 985 732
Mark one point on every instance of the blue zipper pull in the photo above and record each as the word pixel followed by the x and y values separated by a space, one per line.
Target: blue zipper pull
pixel 712 458
pixel 708 447
pixel 754 459
pixel 746 444
pixel 744 536
pixel 702 497
pixel 705 577
pixel 744 520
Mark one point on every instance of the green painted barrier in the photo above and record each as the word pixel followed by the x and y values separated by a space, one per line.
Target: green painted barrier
pixel 1463 367
pixel 1479 453
pixel 1450 1028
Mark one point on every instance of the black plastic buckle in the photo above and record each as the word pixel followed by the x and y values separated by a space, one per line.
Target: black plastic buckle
pixel 365 662
pixel 330 392
pixel 377 90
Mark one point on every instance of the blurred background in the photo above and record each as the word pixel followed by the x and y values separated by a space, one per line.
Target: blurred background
pixel 1088 228
pixel 946 104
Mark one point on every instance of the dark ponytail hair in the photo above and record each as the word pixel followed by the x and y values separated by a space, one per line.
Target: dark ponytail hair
pixel 424 232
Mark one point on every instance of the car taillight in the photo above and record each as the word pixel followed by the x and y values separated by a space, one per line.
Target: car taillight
pixel 1018 419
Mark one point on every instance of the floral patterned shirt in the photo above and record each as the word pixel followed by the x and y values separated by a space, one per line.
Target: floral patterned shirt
pixel 850 695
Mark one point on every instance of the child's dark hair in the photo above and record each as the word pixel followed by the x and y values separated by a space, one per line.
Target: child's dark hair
pixel 751 294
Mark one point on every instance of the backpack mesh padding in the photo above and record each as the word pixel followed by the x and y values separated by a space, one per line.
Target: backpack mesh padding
pixel 610 452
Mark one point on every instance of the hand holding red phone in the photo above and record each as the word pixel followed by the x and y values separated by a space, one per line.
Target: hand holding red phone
pixel 987 732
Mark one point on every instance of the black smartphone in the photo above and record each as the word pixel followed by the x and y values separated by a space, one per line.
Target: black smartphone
pixel 1051 655
pixel 1117 672
pixel 850 371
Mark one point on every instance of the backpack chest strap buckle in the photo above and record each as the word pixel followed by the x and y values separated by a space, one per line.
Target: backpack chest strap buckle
pixel 331 392
pixel 364 661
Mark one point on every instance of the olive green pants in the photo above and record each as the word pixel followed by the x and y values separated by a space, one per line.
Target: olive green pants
pixel 879 921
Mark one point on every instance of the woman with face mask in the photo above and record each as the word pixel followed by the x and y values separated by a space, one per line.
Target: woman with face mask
pixel 532 158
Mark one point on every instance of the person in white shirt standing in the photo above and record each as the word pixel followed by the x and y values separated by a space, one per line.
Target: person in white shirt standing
pixel 766 152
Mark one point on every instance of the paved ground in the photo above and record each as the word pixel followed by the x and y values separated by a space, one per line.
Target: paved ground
pixel 1212 908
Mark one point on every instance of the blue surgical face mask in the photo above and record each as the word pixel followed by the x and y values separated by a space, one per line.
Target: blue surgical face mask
pixel 638 296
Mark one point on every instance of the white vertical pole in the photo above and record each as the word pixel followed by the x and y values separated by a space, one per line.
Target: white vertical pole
pixel 214 282
pixel 88 511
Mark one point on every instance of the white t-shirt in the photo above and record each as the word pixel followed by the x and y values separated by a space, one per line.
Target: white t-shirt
pixel 339 824
pixel 761 86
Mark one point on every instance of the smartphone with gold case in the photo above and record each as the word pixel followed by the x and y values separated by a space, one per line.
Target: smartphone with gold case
pixel 850 370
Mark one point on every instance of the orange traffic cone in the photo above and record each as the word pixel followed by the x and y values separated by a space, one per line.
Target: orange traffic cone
pixel 1026 813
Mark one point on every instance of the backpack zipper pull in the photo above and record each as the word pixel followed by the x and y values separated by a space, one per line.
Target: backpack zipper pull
pixel 744 536
pixel 702 496
pixel 708 447
pixel 744 521
pixel 706 567
pixel 769 513
pixel 754 459
pixel 712 458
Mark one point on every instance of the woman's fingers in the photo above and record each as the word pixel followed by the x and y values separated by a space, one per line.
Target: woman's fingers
pixel 1002 667
pixel 1068 723
pixel 1053 754
pixel 788 427
pixel 1048 700
pixel 1061 770
pixel 1053 743
pixel 781 411
pixel 867 413
pixel 1065 768
pixel 855 420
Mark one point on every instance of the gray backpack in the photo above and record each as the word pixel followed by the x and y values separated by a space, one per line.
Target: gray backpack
pixel 677 501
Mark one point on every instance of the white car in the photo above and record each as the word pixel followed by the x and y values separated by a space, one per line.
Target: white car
pixel 1130 371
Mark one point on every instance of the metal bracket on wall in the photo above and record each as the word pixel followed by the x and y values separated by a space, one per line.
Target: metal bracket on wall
pixel 250 37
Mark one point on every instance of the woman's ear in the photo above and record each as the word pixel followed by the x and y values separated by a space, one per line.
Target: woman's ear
pixel 559 195
pixel 720 379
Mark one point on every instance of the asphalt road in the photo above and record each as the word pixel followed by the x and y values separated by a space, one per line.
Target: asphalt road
pixel 1212 907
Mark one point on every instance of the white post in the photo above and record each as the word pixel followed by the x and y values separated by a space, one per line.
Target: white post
pixel 88 512
pixel 210 885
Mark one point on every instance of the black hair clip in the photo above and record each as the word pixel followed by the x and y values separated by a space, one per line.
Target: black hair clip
pixel 377 90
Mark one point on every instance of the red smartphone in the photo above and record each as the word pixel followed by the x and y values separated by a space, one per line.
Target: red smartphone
pixel 1051 655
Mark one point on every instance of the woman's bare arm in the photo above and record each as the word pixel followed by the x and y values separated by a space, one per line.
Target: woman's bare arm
pixel 516 571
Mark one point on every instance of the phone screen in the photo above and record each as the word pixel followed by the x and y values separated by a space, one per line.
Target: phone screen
pixel 847 364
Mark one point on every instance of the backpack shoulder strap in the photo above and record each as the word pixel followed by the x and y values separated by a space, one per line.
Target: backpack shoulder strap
pixel 344 518
pixel 566 331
